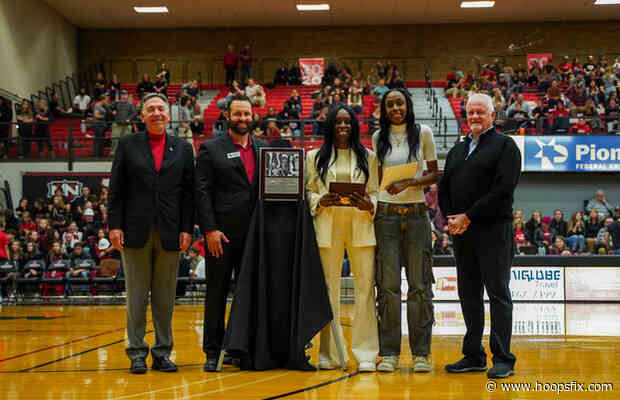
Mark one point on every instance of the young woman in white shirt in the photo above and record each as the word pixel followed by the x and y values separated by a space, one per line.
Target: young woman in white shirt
pixel 403 232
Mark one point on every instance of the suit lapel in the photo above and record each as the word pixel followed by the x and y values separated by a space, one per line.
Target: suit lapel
pixel 147 151
pixel 170 151
pixel 331 167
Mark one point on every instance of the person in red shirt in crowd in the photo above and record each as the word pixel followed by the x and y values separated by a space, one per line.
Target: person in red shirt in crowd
pixel 231 61
pixel 519 234
pixel 487 73
pixel 26 225
pixel 580 128
pixel 560 110
pixel 565 68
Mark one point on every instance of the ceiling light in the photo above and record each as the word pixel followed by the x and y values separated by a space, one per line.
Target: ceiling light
pixel 312 7
pixel 477 4
pixel 151 10
pixel 606 2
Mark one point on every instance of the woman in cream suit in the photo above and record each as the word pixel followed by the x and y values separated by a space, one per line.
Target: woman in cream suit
pixel 342 158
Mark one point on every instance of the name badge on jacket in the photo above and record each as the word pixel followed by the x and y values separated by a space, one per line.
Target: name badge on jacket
pixel 236 154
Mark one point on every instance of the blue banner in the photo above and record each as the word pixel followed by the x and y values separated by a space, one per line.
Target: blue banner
pixel 572 153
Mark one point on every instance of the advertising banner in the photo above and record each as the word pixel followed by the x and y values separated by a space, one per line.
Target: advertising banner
pixel 44 185
pixel 572 153
pixel 312 70
pixel 540 59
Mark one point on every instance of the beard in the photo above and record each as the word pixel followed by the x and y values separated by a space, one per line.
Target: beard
pixel 234 126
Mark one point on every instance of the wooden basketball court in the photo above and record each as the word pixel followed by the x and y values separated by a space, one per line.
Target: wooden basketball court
pixel 77 352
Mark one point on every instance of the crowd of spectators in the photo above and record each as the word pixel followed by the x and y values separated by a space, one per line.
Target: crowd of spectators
pixel 52 230
pixel 574 97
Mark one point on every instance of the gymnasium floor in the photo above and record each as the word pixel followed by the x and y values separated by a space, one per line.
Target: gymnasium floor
pixel 77 352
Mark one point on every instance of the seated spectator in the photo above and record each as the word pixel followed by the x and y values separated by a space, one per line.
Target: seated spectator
pixel 374 117
pixel 294 76
pixel 519 235
pixel 193 90
pixel 603 239
pixel 294 102
pixel 4 243
pixel 380 90
pixel 257 124
pixel 559 247
pixel 532 225
pixel 220 127
pixel 26 225
pixel 558 225
pixel 56 253
pixel 601 204
pixel 576 233
pixel 100 85
pixel 578 98
pixel 282 75
pixel 318 128
pixel 255 93
pixel 542 236
pixel 54 109
pixel 200 244
pixel 161 85
pixel 74 272
pixel 580 128
pixel 272 128
pixel 234 89
pixel 196 126
pixel 539 115
pixel 442 246
pixel 614 236
pixel 81 102
pixel 115 88
pixel 612 116
pixel 145 86
pixel 355 97
pixel 592 227
pixel 31 252
pixel 498 101
pixel 592 116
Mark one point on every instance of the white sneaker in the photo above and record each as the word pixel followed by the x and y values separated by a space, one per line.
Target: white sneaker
pixel 367 366
pixel 422 364
pixel 388 364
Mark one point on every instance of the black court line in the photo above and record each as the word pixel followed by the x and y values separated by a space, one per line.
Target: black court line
pixel 342 378
pixel 75 355
pixel 87 370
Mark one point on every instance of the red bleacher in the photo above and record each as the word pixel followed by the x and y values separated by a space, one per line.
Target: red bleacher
pixel 276 97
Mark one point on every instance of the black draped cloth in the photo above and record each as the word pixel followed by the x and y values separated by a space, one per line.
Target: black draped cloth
pixel 281 300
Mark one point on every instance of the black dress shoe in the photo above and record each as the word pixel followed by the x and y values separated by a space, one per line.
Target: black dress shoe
pixel 138 366
pixel 164 364
pixel 306 366
pixel 210 365
pixel 500 370
pixel 466 365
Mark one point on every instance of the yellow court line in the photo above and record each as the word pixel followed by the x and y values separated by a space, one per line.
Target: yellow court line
pixel 235 387
pixel 180 386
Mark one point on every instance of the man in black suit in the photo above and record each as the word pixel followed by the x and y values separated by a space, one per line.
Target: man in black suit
pixel 151 211
pixel 476 193
pixel 226 193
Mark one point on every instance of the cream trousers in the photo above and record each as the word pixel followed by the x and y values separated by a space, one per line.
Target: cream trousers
pixel 364 332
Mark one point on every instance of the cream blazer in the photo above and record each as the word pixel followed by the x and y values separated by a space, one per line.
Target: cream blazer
pixel 363 229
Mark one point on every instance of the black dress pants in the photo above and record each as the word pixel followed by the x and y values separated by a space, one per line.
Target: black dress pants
pixel 483 260
pixel 219 273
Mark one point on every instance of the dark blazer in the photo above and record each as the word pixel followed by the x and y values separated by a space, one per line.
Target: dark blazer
pixel 481 186
pixel 225 199
pixel 141 197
